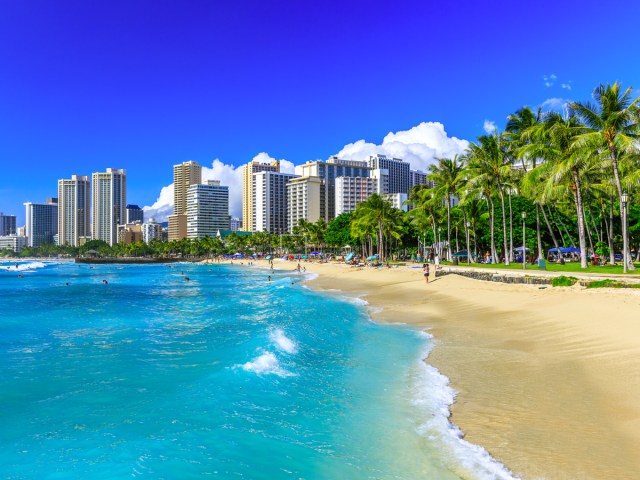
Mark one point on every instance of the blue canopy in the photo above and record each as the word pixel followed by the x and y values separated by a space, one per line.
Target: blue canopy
pixel 565 250
pixel 237 255
pixel 519 249
pixel 268 257
pixel 372 257
pixel 349 257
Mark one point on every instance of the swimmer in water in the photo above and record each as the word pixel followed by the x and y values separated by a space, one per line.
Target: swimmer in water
pixel 269 278
pixel 104 282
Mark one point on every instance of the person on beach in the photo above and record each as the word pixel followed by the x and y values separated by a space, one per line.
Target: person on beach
pixel 425 272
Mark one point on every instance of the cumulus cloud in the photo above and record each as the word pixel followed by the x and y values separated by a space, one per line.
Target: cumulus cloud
pixel 549 80
pixel 489 126
pixel 557 104
pixel 566 86
pixel 228 175
pixel 418 146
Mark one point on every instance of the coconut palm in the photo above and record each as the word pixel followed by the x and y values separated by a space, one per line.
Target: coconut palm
pixel 379 213
pixel 447 176
pixel 614 125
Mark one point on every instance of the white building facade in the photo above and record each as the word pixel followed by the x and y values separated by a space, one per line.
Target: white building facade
pixel 109 191
pixel 151 230
pixel 270 201
pixel 399 172
pixel 207 209
pixel 15 243
pixel 304 200
pixel 74 210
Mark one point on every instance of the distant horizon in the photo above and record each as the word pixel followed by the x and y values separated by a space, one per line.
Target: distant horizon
pixel 146 86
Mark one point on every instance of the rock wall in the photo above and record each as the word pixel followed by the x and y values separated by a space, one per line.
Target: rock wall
pixel 495 277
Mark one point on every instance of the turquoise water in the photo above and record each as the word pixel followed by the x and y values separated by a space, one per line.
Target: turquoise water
pixel 224 376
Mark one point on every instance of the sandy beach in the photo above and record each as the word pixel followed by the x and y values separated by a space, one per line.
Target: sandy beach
pixel 548 379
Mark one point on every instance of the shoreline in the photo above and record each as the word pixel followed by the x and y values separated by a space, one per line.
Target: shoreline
pixel 547 380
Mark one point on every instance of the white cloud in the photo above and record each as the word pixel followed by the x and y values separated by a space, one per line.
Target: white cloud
pixel 489 126
pixel 566 86
pixel 228 175
pixel 418 146
pixel 549 80
pixel 554 104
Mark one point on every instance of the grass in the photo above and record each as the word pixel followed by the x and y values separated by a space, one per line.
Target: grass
pixel 608 283
pixel 563 281
pixel 569 267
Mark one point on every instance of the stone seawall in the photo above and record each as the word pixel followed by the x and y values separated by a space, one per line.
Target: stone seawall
pixel 496 277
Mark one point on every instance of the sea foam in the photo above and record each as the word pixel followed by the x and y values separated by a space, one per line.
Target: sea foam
pixel 284 343
pixel 434 397
pixel 23 267
pixel 266 364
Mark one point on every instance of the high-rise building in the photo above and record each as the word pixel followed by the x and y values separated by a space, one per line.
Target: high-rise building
pixel 270 201
pixel 13 242
pixel 74 215
pixel 42 222
pixel 134 214
pixel 416 177
pixel 235 224
pixel 151 230
pixel 109 191
pixel 184 175
pixel 207 209
pixel 303 198
pixel 130 233
pixel 350 191
pixel 7 224
pixel 397 200
pixel 328 171
pixel 247 189
pixel 399 176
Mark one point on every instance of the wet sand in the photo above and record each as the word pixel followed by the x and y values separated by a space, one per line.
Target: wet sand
pixel 548 379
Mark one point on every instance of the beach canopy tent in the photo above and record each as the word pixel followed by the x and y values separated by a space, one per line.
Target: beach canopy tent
pixel 237 255
pixel 349 257
pixel 372 257
pixel 461 253
pixel 519 249
pixel 565 250
pixel 304 256
pixel 268 257
pixel 314 253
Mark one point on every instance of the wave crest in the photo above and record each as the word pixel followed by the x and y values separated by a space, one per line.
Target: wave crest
pixel 266 364
pixel 282 342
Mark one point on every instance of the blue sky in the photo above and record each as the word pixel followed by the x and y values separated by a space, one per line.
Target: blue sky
pixel 145 85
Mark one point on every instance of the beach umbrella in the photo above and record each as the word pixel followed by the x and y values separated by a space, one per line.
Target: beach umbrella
pixel 461 253
pixel 372 257
pixel 314 253
pixel 519 249
pixel 349 257
pixel 268 257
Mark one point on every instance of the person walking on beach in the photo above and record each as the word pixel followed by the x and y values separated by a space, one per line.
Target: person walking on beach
pixel 425 272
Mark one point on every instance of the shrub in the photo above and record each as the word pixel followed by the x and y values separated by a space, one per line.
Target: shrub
pixel 607 283
pixel 563 281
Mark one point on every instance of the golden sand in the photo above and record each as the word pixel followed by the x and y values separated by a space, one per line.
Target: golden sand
pixel 548 379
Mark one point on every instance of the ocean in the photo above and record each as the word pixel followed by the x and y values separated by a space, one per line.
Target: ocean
pixel 224 375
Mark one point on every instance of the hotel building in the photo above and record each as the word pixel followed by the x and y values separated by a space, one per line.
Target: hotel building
pixel 109 191
pixel 184 175
pixel 248 171
pixel 350 191
pixel 399 172
pixel 151 230
pixel 41 222
pixel 207 209
pixel 270 201
pixel 134 214
pixel 304 196
pixel 74 211
pixel 13 242
pixel 7 224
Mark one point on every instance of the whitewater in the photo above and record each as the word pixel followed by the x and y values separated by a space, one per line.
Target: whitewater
pixel 224 375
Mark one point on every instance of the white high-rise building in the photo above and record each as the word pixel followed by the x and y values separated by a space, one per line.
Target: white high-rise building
pixel 207 209
pixel 247 189
pixel 151 230
pixel 350 191
pixel 109 191
pixel 13 242
pixel 397 200
pixel 41 222
pixel 74 211
pixel 304 200
pixel 185 174
pixel 399 172
pixel 270 201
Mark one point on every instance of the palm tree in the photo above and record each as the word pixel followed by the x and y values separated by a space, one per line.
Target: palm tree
pixel 490 168
pixel 613 122
pixel 447 175
pixel 565 164
pixel 379 213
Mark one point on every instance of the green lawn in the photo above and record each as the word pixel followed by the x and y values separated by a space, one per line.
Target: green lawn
pixel 556 267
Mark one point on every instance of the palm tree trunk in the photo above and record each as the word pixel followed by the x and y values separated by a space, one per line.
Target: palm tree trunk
pixel 587 227
pixel 507 254
pixel 612 252
pixel 626 256
pixel 492 217
pixel 577 194
pixel 510 229
pixel 449 255
pixel 553 235
pixel 466 234
pixel 538 233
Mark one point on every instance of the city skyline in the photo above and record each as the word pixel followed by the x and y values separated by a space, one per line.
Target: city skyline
pixel 147 86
